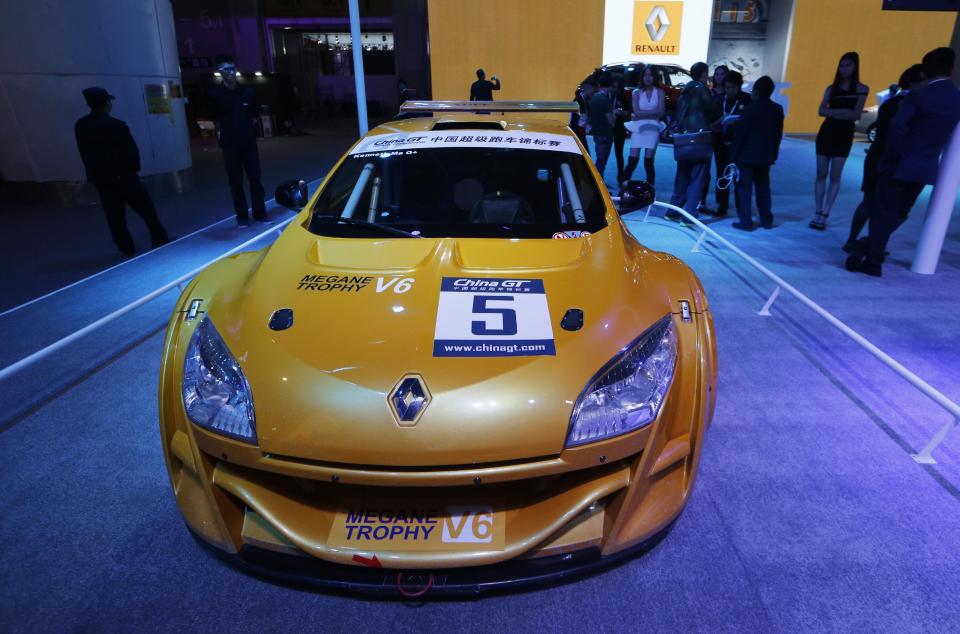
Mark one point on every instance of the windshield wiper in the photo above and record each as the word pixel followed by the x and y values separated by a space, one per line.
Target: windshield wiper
pixel 370 225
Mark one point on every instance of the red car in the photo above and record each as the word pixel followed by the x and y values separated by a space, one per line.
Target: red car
pixel 672 79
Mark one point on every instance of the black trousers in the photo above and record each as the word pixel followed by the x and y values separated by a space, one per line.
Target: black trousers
pixel 619 138
pixel 581 134
pixel 889 208
pixel 754 176
pixel 689 182
pixel 115 197
pixel 238 160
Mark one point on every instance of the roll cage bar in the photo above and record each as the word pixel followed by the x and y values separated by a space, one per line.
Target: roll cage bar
pixel 486 107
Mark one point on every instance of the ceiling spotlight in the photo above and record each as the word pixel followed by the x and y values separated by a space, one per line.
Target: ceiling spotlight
pixel 258 74
pixel 217 74
pixel 238 73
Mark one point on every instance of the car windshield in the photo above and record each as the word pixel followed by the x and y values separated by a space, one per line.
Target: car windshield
pixel 467 190
pixel 675 77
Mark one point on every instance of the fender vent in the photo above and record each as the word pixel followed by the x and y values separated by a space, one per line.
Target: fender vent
pixel 572 320
pixel 281 319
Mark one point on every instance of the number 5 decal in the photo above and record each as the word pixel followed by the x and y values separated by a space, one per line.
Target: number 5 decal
pixel 508 315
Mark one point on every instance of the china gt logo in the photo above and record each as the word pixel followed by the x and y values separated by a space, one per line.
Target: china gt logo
pixel 468 524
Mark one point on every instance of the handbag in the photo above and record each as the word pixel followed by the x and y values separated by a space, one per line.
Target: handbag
pixel 693 146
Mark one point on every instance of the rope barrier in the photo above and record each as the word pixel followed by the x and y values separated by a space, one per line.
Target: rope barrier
pixel 731 175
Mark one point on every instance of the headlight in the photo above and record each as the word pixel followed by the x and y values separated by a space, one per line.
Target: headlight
pixel 216 395
pixel 627 393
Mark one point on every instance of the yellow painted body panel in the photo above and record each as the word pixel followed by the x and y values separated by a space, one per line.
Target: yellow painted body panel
pixel 539 48
pixel 495 428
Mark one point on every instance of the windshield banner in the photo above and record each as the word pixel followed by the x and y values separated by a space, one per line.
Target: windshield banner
pixel 466 138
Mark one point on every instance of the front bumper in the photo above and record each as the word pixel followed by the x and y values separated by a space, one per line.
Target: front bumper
pixel 472 581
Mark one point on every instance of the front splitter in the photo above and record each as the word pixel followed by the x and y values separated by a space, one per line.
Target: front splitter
pixel 508 576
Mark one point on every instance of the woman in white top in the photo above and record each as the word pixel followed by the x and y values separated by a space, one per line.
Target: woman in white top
pixel 649 104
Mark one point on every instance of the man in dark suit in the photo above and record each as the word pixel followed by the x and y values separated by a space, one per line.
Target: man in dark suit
pixel 234 108
pixel 917 135
pixel 112 162
pixel 756 145
pixel 482 90
pixel 910 79
pixel 579 119
pixel 696 112
pixel 732 101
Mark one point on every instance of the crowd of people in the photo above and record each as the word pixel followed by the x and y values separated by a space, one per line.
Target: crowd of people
pixel 715 122
pixel 740 133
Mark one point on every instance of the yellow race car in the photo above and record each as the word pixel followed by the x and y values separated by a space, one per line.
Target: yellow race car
pixel 455 370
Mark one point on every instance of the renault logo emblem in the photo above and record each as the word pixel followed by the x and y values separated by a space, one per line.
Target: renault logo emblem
pixel 657 23
pixel 409 399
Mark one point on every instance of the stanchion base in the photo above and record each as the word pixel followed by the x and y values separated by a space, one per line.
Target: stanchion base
pixel 920 459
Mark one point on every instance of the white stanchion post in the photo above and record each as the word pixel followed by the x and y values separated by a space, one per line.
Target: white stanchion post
pixel 924 456
pixel 939 210
pixel 696 245
pixel 646 216
pixel 765 311
pixel 358 76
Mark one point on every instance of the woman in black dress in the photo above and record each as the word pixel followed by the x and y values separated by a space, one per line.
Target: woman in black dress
pixel 842 104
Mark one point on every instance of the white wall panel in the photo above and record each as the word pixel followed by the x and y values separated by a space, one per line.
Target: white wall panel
pixel 51 50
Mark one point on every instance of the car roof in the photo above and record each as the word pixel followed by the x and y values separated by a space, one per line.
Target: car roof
pixel 516 122
pixel 641 63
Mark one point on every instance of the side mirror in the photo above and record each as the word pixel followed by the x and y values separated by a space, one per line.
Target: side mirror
pixel 636 195
pixel 292 194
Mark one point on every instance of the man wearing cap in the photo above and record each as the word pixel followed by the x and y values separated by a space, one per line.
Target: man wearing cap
pixel 112 161
pixel 234 108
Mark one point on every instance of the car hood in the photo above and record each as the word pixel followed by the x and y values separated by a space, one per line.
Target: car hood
pixel 365 316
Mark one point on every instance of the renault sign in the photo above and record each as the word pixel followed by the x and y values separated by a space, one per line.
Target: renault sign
pixel 654 35
pixel 673 31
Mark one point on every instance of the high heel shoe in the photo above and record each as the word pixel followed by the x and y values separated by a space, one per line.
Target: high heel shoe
pixel 819 221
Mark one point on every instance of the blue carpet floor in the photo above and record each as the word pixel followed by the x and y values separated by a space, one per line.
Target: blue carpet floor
pixel 808 513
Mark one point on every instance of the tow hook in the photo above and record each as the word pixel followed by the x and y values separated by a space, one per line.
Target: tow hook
pixel 414 584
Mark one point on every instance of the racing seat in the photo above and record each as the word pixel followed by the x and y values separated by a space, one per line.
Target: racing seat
pixel 502 208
